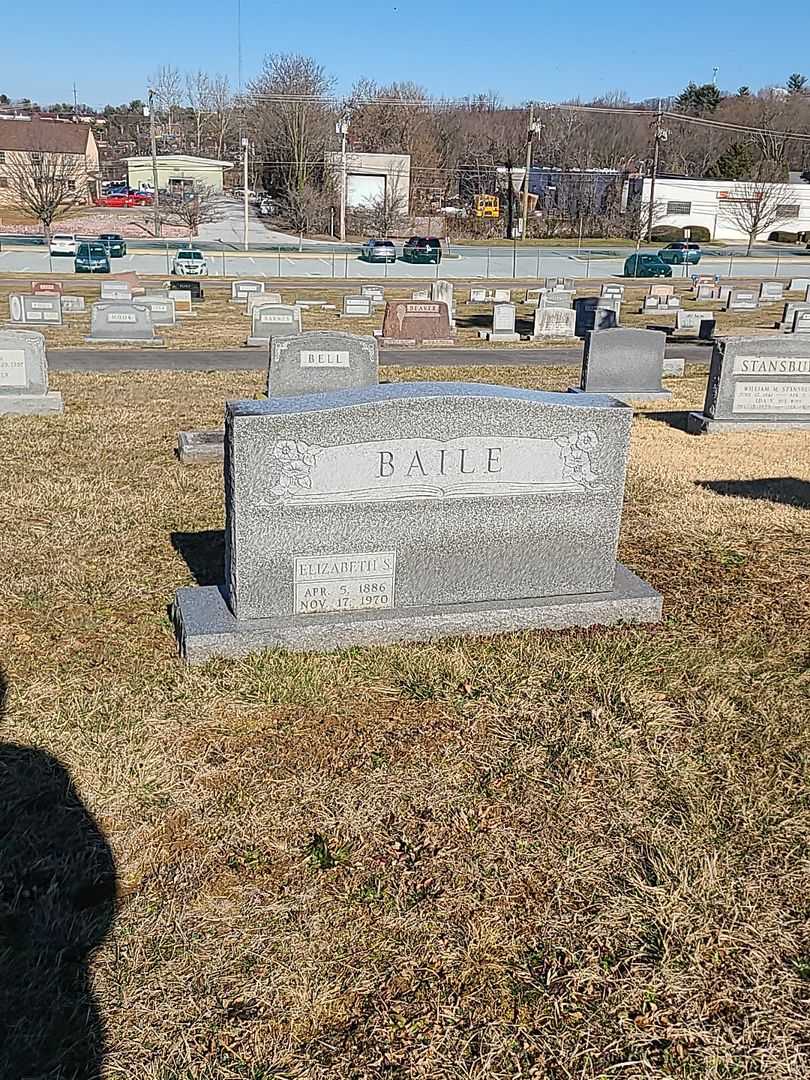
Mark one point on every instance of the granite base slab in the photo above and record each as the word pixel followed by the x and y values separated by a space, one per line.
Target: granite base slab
pixel 257 342
pixel 412 341
pixel 32 404
pixel 698 424
pixel 205 627
pixel 153 343
pixel 497 335
pixel 201 447
pixel 627 396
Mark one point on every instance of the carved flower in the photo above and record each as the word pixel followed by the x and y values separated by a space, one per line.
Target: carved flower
pixel 295 459
pixel 587 440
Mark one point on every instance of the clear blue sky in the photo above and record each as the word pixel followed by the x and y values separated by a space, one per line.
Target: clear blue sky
pixel 542 50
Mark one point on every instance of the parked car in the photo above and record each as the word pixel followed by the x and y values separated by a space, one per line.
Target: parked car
pixel 646 265
pixel 127 199
pixel 114 243
pixel 422 249
pixel 379 251
pixel 189 262
pixel 63 244
pixel 92 257
pixel 682 251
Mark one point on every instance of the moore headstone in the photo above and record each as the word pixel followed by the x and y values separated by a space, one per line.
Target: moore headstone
pixel 35 309
pixel 272 321
pixel 627 364
pixel 321 361
pixel 416 511
pixel 756 384
pixel 24 375
pixel 119 321
pixel 409 322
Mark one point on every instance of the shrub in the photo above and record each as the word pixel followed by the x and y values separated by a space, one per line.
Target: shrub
pixel 670 233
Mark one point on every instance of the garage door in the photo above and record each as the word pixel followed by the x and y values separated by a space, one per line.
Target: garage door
pixel 364 190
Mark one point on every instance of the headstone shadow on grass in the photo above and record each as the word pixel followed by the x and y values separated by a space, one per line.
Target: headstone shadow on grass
pixel 57 903
pixel 675 418
pixel 789 490
pixel 203 552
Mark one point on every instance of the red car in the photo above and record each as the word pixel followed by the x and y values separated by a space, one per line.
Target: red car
pixel 136 198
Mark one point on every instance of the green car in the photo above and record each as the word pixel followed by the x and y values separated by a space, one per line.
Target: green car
pixel 115 244
pixel 92 258
pixel 644 265
pixel 682 251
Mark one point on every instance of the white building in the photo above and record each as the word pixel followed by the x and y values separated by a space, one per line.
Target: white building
pixel 685 203
pixel 370 178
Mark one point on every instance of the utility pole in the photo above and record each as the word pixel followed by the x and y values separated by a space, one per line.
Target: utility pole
pixel 245 145
pixel 534 129
pixel 153 141
pixel 661 135
pixel 75 104
pixel 342 129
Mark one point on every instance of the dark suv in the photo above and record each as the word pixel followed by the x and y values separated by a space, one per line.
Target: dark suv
pixel 422 249
pixel 114 244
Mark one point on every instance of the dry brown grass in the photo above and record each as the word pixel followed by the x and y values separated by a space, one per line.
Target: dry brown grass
pixel 558 856
pixel 218 324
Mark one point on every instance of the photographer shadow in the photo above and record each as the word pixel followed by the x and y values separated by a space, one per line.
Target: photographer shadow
pixel 57 904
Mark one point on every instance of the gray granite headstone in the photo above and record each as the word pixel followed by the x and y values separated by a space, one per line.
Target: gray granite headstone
pixel 499 296
pixel 559 299
pixel 661 288
pixel 24 375
pixel 477 296
pixel 594 313
pixel 742 300
pixel 321 361
pixel 554 322
pixel 503 324
pixel 533 296
pixel 801 322
pixel 756 383
pixel 241 290
pixel 272 321
pixel 627 364
pixel 652 303
pixel 116 290
pixel 701 323
pixel 71 305
pixel 799 284
pixel 35 309
pixel 120 321
pixel 611 288
pixel 414 511
pixel 790 309
pixel 357 307
pixel 424 294
pixel 160 309
pixel 376 293
pixel 443 292
pixel 554 283
pixel 255 300
pixel 706 292
pixel 770 291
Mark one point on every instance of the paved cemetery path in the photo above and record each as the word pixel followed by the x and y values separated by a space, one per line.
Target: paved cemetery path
pixel 256 359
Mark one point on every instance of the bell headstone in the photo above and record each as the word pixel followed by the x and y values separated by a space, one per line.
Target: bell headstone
pixel 241 290
pixel 627 364
pixel 756 384
pixel 357 307
pixel 554 322
pixel 113 320
pixel 321 361
pixel 415 511
pixel 408 322
pixel 742 300
pixel 272 321
pixel 38 309
pixel 24 375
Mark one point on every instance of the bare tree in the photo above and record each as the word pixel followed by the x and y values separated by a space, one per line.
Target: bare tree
pixel 220 111
pixel 46 184
pixel 192 208
pixel 307 209
pixel 198 96
pixel 167 85
pixel 385 214
pixel 292 121
pixel 756 207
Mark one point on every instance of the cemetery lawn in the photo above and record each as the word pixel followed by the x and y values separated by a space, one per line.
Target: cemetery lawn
pixel 548 855
pixel 218 324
